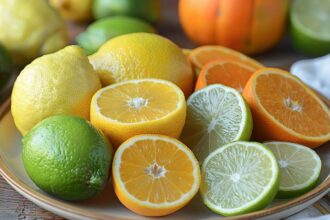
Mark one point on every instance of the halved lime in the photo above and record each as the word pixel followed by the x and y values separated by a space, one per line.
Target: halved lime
pixel 216 115
pixel 300 168
pixel 310 27
pixel 239 178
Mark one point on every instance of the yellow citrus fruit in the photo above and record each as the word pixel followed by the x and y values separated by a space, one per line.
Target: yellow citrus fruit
pixel 29 29
pixel 155 175
pixel 145 106
pixel 75 10
pixel 59 83
pixel 142 55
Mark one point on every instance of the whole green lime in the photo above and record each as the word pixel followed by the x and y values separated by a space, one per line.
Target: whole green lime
pixel 104 29
pixel 310 30
pixel 149 10
pixel 67 157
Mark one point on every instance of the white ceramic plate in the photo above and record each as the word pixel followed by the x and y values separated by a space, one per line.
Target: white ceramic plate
pixel 106 205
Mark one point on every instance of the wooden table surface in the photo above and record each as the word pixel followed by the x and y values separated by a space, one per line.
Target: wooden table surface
pixel 14 206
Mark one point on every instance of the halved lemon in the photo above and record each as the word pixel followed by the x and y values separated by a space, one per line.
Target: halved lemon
pixel 155 175
pixel 145 106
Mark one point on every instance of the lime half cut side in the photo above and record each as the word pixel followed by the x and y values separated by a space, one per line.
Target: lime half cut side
pixel 310 27
pixel 239 178
pixel 216 115
pixel 300 168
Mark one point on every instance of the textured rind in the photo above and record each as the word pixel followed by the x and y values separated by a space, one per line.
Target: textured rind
pixel 59 83
pixel 67 157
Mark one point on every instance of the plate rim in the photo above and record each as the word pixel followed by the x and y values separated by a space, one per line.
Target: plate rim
pixel 71 209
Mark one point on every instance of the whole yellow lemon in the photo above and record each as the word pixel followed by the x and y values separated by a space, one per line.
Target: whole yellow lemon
pixel 142 55
pixel 59 83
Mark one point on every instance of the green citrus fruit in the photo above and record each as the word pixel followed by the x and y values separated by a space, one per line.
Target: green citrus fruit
pixel 216 115
pixel 104 29
pixel 145 9
pixel 67 157
pixel 239 178
pixel 310 28
pixel 300 168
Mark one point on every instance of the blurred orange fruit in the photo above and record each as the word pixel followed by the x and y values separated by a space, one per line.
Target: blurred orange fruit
pixel 250 26
pixel 230 73
pixel 155 175
pixel 285 109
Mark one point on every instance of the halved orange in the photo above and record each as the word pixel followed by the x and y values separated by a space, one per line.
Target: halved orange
pixel 155 175
pixel 285 109
pixel 230 73
pixel 144 106
pixel 204 54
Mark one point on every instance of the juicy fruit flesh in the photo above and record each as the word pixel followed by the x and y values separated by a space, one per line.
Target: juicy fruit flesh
pixel 292 105
pixel 229 74
pixel 213 119
pixel 205 55
pixel 165 172
pixel 298 165
pixel 130 103
pixel 313 17
pixel 237 176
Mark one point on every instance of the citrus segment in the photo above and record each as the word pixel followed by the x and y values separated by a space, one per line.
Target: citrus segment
pixel 216 115
pixel 238 178
pixel 155 175
pixel 230 73
pixel 300 168
pixel 285 109
pixel 204 54
pixel 134 107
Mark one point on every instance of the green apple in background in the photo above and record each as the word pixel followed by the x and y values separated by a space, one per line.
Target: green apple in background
pixel 149 10
pixel 106 28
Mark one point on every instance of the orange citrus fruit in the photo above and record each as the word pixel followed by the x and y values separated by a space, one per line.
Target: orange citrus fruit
pixel 285 109
pixel 145 106
pixel 204 54
pixel 155 175
pixel 230 73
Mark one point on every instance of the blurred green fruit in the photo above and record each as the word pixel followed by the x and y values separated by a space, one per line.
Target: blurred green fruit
pixel 149 10
pixel 104 29
pixel 310 28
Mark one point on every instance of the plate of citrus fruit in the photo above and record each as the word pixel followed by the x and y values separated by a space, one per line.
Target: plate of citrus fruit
pixel 142 128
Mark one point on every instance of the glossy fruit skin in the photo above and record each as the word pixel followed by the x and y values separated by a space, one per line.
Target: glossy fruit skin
pixel 149 10
pixel 142 55
pixel 250 26
pixel 67 157
pixel 104 29
pixel 59 83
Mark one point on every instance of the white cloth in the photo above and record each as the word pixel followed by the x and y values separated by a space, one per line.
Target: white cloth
pixel 315 73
